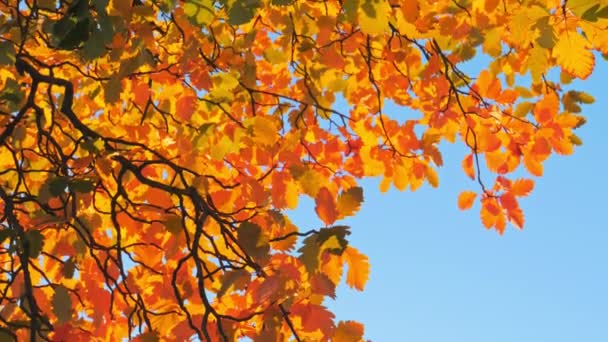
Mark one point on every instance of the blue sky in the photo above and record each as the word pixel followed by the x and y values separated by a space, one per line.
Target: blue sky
pixel 439 275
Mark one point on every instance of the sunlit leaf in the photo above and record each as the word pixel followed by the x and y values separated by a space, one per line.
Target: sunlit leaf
pixel 358 268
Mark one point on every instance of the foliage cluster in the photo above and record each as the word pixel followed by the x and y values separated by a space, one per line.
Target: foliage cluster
pixel 149 149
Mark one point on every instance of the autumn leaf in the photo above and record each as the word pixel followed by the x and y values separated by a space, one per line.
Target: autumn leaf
pixel 373 16
pixel 522 187
pixel 573 55
pixel 546 109
pixel 252 240
pixel 465 199
pixel 326 207
pixel 350 201
pixel 314 317
pixel 62 304
pixel 349 331
pixel 467 166
pixel 358 268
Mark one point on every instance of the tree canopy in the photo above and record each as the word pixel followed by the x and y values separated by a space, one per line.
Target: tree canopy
pixel 150 149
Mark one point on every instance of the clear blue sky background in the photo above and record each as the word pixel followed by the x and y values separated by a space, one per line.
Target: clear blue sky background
pixel 439 275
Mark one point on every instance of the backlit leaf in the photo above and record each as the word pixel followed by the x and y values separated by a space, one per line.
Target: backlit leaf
pixel 326 207
pixel 522 187
pixel 350 201
pixel 349 331
pixel 572 54
pixel 358 268
pixel 466 199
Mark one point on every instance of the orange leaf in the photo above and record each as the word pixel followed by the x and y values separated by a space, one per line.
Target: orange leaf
pixel 466 199
pixel 508 201
pixel 348 331
pixel 522 187
pixel 185 107
pixel 326 206
pixel 314 317
pixel 358 268
pixel 546 109
pixel 467 166
pixel 534 166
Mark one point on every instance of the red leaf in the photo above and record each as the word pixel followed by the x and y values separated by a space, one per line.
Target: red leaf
pixel 314 317
pixel 326 206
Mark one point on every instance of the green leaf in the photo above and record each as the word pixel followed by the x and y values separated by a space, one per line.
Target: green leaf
pixel 112 90
pixel 583 97
pixel 81 185
pixel 7 53
pixel 200 12
pixel 5 334
pixel 575 140
pixel 95 46
pixel 12 94
pixel 313 245
pixel 253 242
pixel 281 2
pixel 237 278
pixel 47 4
pixel 242 12
pixel 19 134
pixel 70 32
pixel 5 234
pixel 339 232
pixel 591 13
pixel 350 201
pixel 547 37
pixel 523 109
pixel 309 254
pixel 57 185
pixel 350 9
pixel 174 224
pixel 100 5
pixel 35 241
pixel 603 13
pixel 62 304
pixel 68 268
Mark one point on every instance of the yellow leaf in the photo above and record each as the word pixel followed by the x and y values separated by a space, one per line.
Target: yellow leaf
pixel 311 181
pixel 223 86
pixel 538 63
pixel 358 268
pixel 523 109
pixel 264 130
pixel 432 177
pixel 275 56
pixel 201 11
pixel 572 54
pixel 373 16
pixel 400 177
pixel 292 194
